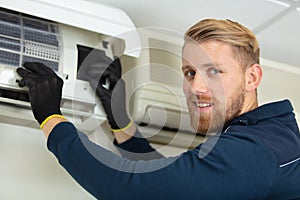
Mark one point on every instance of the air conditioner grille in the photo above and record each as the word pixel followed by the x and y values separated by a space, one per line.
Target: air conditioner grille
pixel 165 63
pixel 10 44
pixel 25 38
pixel 9 16
pixel 9 59
pixel 165 75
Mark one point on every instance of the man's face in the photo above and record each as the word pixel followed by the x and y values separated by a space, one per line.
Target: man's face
pixel 214 85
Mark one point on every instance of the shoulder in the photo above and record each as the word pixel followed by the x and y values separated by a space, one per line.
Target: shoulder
pixel 240 145
pixel 273 135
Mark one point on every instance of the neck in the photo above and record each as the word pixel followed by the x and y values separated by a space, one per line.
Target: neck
pixel 250 103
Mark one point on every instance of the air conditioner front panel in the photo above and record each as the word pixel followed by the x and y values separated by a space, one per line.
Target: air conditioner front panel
pixel 157 105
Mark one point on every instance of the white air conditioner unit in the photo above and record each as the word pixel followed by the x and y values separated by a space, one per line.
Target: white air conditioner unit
pixel 55 33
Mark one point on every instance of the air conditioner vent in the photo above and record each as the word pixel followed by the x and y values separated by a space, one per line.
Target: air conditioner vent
pixel 28 39
pixel 10 94
pixel 167 75
pixel 165 63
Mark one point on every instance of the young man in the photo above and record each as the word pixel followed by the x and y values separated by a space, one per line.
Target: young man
pixel 251 153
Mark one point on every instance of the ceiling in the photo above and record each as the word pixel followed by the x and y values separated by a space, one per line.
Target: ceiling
pixel 275 22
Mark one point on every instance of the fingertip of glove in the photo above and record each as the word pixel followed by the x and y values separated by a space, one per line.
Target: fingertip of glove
pixel 21 83
pixel 20 71
pixel 38 68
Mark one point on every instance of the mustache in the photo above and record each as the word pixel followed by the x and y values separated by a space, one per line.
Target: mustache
pixel 203 98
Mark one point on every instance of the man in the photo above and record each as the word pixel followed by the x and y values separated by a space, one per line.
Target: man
pixel 251 153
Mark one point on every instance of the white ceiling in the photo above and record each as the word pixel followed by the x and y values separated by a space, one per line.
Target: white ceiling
pixel 275 22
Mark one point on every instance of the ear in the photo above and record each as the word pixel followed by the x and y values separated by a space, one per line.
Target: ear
pixel 253 77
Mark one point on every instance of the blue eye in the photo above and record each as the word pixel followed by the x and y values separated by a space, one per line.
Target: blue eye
pixel 213 71
pixel 189 73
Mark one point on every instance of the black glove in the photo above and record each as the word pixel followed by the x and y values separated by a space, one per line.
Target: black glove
pixel 45 89
pixel 113 101
pixel 96 71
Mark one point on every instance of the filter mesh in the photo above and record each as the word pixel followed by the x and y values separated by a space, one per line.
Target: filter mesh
pixel 26 38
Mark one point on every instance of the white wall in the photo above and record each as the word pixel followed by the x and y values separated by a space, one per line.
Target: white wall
pixel 280 81
pixel 29 171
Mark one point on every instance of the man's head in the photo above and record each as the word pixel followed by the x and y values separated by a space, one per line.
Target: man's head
pixel 221 70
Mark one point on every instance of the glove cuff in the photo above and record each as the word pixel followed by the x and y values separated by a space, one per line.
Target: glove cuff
pixel 122 129
pixel 50 117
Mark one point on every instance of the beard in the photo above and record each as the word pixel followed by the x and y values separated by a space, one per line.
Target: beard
pixel 213 122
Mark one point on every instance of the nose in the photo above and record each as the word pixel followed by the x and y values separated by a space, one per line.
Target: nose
pixel 199 85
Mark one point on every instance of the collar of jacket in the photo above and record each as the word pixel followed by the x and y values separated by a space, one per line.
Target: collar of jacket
pixel 270 110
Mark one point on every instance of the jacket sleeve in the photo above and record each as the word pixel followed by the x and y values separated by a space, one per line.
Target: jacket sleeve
pixel 221 168
pixel 137 148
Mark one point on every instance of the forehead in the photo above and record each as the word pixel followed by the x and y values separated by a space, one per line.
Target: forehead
pixel 193 52
pixel 207 52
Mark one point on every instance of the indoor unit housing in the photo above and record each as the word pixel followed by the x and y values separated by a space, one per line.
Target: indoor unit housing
pixel 59 34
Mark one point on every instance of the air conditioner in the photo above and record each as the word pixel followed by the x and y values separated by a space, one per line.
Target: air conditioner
pixel 55 33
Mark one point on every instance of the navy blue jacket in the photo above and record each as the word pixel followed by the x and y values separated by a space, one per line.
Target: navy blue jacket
pixel 257 156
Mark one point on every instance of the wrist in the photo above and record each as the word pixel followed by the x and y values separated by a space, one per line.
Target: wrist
pixel 122 135
pixel 50 122
pixel 49 118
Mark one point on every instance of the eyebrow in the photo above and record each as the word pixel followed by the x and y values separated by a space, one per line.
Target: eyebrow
pixel 203 65
pixel 211 64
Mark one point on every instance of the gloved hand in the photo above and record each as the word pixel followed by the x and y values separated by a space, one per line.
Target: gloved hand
pixel 45 89
pixel 97 71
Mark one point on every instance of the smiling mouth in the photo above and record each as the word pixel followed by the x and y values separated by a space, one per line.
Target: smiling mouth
pixel 203 104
